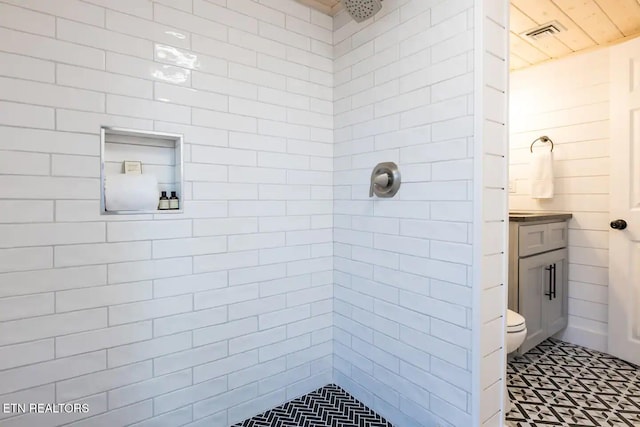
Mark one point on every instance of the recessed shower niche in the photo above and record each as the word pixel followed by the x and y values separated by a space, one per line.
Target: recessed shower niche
pixel 137 166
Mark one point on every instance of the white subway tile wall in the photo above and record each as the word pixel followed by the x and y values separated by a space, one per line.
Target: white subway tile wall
pixel 205 318
pixel 572 108
pixel 403 266
pixel 281 275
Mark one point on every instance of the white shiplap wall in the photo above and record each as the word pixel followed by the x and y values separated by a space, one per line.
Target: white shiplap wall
pixel 403 298
pixel 568 100
pixel 197 319
pixel 490 211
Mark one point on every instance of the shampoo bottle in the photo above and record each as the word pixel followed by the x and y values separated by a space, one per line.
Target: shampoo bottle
pixel 174 203
pixel 164 202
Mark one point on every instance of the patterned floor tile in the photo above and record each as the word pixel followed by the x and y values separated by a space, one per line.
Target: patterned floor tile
pixel 565 385
pixel 327 406
pixel 554 384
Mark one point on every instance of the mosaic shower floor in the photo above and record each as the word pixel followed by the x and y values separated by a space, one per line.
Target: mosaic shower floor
pixel 327 406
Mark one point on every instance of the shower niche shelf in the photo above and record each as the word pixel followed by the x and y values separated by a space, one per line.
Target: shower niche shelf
pixel 161 155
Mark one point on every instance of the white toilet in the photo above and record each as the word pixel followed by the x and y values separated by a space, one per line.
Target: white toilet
pixel 516 333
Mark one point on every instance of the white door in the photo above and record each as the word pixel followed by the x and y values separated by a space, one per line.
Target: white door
pixel 624 250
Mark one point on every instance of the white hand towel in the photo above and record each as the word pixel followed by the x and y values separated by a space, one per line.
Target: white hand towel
pixel 542 174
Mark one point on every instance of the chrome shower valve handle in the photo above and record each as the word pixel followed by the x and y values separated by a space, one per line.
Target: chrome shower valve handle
pixel 385 180
pixel 382 180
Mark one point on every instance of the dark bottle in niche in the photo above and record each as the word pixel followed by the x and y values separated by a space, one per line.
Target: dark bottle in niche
pixel 174 203
pixel 164 202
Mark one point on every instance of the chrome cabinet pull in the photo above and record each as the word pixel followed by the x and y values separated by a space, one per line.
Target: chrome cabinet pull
pixel 550 293
pixel 553 268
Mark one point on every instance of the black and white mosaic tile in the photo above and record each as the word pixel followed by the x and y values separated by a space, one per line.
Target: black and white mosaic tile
pixel 554 384
pixel 329 406
pixel 561 384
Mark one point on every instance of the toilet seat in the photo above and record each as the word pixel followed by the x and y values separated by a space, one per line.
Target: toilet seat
pixel 515 322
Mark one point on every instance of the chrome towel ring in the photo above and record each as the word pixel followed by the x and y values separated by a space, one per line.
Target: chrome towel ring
pixel 544 139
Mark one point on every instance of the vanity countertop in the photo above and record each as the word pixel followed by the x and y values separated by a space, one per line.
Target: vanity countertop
pixel 520 216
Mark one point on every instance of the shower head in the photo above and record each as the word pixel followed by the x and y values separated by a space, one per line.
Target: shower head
pixel 361 10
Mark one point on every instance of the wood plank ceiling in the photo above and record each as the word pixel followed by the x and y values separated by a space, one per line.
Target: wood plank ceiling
pixel 588 23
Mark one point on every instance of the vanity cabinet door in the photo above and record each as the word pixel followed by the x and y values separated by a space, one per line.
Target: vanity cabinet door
pixel 533 280
pixel 556 304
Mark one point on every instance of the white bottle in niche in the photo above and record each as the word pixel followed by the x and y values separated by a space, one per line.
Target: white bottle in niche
pixel 164 202
pixel 174 203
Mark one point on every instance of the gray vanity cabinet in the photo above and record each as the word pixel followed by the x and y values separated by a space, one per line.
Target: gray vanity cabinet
pixel 538 276
pixel 543 294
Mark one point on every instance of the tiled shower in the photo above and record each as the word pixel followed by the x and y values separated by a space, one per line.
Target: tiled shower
pixel 279 275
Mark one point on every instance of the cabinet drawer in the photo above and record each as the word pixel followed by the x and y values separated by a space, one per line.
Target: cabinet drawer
pixel 538 238
pixel 557 235
pixel 533 239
